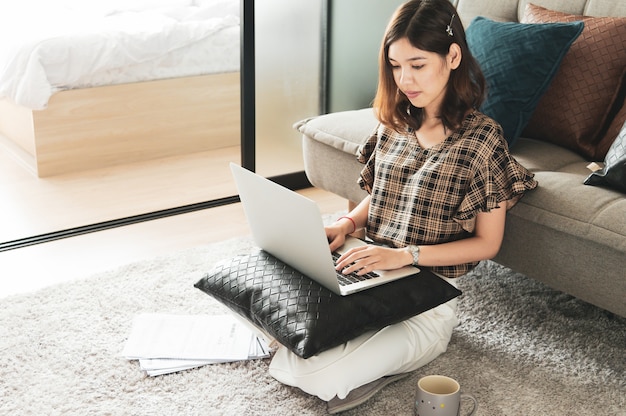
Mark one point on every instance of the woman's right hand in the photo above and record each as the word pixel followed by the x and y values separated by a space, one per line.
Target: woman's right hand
pixel 354 221
pixel 336 236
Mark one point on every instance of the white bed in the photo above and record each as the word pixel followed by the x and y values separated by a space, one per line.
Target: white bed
pixel 116 81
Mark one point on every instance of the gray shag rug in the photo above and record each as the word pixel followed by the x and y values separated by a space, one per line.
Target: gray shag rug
pixel 521 349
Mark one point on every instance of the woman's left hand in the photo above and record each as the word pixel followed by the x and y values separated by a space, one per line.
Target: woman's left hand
pixel 367 258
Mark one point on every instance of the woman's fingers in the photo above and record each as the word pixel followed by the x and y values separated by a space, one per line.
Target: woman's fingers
pixel 359 259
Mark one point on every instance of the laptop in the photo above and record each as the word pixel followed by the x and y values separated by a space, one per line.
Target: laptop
pixel 289 226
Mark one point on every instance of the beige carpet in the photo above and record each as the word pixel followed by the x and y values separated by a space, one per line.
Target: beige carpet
pixel 521 348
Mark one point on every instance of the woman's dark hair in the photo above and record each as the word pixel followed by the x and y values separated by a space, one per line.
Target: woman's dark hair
pixel 424 23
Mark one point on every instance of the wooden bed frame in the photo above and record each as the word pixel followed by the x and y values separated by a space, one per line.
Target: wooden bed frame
pixel 104 126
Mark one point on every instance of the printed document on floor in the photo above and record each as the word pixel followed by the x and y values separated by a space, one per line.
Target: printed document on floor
pixel 166 343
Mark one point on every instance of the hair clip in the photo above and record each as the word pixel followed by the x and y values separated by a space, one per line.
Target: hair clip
pixel 449 27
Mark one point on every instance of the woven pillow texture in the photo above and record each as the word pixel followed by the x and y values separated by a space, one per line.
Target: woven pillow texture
pixel 308 318
pixel 577 109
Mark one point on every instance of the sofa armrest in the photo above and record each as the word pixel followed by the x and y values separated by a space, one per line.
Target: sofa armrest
pixel 330 145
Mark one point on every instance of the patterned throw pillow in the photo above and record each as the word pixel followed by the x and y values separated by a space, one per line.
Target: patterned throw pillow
pixel 575 111
pixel 614 172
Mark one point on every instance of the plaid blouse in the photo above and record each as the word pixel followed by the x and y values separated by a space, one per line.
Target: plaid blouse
pixel 431 196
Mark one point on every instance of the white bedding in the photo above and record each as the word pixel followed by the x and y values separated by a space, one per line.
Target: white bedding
pixel 52 45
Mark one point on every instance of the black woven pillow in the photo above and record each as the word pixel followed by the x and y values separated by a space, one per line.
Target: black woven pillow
pixel 614 172
pixel 308 318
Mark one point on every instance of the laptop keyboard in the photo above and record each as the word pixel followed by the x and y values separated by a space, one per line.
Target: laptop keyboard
pixel 350 278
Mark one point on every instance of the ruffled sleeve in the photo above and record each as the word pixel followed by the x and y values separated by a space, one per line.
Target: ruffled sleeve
pixel 498 178
pixel 367 156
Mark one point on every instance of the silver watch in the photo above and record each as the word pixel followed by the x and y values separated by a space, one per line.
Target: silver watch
pixel 415 252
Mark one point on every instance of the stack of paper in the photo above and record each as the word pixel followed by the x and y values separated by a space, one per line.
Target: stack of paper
pixel 165 343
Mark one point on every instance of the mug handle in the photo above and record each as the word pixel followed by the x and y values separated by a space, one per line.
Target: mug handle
pixel 473 399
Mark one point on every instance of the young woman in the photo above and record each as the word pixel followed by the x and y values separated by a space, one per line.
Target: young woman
pixel 440 179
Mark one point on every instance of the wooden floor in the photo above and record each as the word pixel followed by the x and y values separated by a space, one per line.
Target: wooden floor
pixel 30 268
pixel 33 206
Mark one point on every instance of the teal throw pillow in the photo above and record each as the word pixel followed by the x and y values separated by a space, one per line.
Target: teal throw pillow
pixel 519 61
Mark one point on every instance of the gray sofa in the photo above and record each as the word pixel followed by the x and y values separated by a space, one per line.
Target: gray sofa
pixel 566 234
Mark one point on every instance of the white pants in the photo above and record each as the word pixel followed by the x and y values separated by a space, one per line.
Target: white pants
pixel 398 348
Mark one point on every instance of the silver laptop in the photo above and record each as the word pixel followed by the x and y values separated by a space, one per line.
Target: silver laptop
pixel 289 226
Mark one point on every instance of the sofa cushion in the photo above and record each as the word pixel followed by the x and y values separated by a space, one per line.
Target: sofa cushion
pixel 603 8
pixel 575 110
pixel 562 202
pixel 519 62
pixel 500 11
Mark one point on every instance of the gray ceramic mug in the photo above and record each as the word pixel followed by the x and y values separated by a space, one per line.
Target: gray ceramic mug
pixel 440 396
